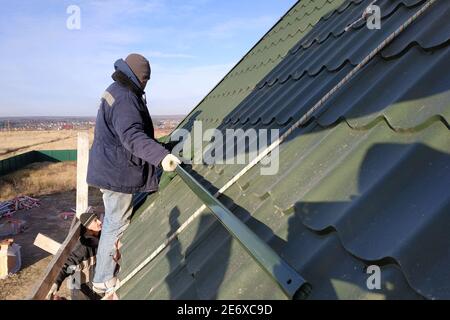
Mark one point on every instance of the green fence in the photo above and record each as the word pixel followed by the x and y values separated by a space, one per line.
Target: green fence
pixel 22 160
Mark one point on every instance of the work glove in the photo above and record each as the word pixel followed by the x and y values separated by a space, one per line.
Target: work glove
pixel 52 292
pixel 170 163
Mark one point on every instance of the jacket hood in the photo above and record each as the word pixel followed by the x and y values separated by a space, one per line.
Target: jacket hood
pixel 122 66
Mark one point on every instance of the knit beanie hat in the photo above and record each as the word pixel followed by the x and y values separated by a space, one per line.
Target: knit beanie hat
pixel 140 67
pixel 87 217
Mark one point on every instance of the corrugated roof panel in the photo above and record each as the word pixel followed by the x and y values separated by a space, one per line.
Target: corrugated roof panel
pixel 365 182
pixel 140 239
pixel 363 188
pixel 207 267
pixel 261 59
pixel 321 258
pixel 333 51
pixel 293 86
pixel 405 104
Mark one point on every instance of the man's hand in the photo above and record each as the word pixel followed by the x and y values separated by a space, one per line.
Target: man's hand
pixel 52 292
pixel 170 163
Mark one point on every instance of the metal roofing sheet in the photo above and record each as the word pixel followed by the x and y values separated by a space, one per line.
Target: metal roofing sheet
pixel 366 182
pixel 261 59
pixel 294 85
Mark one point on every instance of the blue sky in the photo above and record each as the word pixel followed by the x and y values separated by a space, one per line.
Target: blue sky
pixel 48 69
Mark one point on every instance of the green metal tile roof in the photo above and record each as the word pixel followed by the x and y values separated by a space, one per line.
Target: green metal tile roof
pixel 366 181
pixel 260 60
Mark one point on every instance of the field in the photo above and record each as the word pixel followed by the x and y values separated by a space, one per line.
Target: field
pixel 39 179
pixel 54 184
pixel 16 142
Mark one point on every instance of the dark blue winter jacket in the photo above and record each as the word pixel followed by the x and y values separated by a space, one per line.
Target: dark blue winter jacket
pixel 124 155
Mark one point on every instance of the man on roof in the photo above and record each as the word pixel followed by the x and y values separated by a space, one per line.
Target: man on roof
pixel 124 159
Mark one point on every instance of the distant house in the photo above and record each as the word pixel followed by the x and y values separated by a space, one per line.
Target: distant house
pixel 67 126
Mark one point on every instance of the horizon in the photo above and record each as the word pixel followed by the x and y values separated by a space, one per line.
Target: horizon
pixel 82 117
pixel 54 70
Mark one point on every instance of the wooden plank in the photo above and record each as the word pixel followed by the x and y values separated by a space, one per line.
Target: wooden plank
pixel 47 244
pixel 4 259
pixel 43 287
pixel 82 165
pixel 74 220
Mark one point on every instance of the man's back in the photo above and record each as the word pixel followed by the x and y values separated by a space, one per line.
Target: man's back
pixel 124 155
pixel 123 159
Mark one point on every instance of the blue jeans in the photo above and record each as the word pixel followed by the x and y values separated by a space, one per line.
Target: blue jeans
pixel 118 210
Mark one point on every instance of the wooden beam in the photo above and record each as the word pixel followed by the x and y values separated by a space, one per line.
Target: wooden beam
pixel 55 266
pixel 43 287
pixel 4 268
pixel 74 220
pixel 47 244
pixel 82 165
